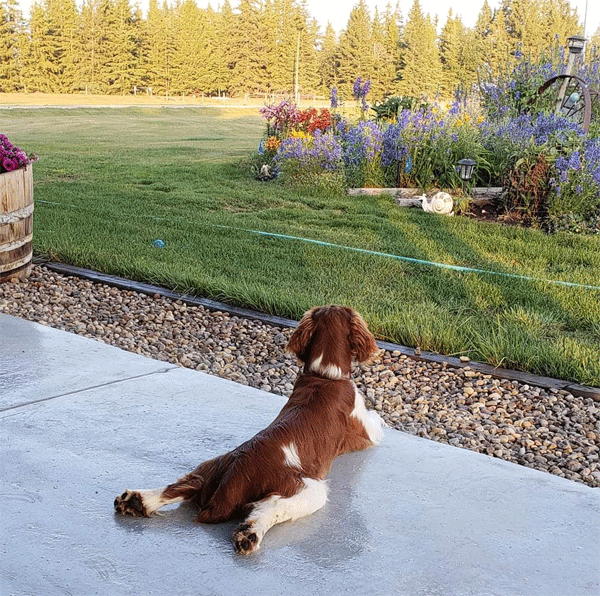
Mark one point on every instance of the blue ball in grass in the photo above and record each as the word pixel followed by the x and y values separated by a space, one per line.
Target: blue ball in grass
pixel 158 243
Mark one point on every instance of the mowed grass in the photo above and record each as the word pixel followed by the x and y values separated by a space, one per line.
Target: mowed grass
pixel 110 181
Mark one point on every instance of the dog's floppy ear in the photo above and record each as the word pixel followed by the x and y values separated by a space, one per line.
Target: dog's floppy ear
pixel 361 339
pixel 300 339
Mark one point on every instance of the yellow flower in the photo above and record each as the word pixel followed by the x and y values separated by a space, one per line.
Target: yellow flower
pixel 300 134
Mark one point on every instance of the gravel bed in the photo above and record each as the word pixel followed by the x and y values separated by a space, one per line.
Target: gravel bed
pixel 550 430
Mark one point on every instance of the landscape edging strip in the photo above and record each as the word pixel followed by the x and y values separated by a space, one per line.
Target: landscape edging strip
pixel 415 354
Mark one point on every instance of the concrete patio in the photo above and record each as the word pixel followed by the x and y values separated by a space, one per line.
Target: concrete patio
pixel 80 421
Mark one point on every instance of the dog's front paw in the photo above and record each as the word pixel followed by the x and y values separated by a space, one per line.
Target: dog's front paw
pixel 130 503
pixel 245 540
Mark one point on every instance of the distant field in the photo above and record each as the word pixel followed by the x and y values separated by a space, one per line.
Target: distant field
pixel 109 182
pixel 142 99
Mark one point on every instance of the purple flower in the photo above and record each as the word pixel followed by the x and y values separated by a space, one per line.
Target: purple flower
pixel 11 157
pixel 359 90
pixel 322 152
pixel 9 164
pixel 334 98
pixel 361 142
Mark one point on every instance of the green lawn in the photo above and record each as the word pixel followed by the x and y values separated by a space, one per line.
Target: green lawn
pixel 110 181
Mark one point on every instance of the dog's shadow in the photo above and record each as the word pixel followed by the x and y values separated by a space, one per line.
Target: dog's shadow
pixel 336 533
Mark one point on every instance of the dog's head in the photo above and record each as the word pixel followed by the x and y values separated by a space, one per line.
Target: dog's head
pixel 329 337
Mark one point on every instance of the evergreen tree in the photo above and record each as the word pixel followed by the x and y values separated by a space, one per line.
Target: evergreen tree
pixel 119 72
pixel 286 27
pixel 379 57
pixel 248 55
pixel 524 24
pixel 41 72
pixel 328 65
pixel 309 57
pixel 10 46
pixel 559 21
pixel 420 63
pixel 191 56
pixel 498 50
pixel 592 50
pixel 457 56
pixel 221 48
pixel 392 28
pixel 355 53
pixel 159 48
pixel 49 64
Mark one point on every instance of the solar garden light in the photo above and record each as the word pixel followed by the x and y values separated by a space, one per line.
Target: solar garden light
pixel 465 169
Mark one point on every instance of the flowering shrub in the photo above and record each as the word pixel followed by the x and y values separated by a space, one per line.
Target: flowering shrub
pixel 576 184
pixel 11 157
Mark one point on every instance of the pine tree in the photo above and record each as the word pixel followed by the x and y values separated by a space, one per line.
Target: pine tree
pixel 592 50
pixel 41 72
pixel 355 53
pixel 49 64
pixel 10 37
pixel 328 65
pixel 309 57
pixel 392 28
pixel 379 82
pixel 221 48
pixel 190 58
pixel 119 70
pixel 456 55
pixel 248 56
pixel 284 29
pixel 525 26
pixel 559 21
pixel 89 59
pixel 420 64
pixel 159 48
pixel 499 51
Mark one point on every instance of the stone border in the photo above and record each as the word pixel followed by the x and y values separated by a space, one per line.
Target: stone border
pixel 410 197
pixel 413 353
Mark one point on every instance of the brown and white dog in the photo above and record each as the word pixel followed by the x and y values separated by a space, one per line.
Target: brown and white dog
pixel 279 474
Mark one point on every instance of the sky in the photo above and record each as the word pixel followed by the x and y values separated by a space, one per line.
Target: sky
pixel 337 11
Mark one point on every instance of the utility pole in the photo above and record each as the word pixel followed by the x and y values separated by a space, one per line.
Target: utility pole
pixel 296 90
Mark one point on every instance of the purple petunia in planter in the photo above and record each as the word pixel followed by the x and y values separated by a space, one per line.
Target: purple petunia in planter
pixel 12 157
pixel 16 211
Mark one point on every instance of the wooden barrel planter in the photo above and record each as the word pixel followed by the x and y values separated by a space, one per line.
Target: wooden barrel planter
pixel 16 223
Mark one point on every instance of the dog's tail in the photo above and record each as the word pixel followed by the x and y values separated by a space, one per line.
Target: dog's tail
pixel 185 488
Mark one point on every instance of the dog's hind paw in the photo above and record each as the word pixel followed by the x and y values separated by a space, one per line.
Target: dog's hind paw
pixel 245 540
pixel 130 503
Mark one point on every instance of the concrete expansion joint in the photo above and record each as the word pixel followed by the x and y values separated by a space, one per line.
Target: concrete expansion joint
pixel 413 353
pixel 85 389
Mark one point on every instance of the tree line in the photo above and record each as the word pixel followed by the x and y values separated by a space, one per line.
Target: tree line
pixel 265 47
